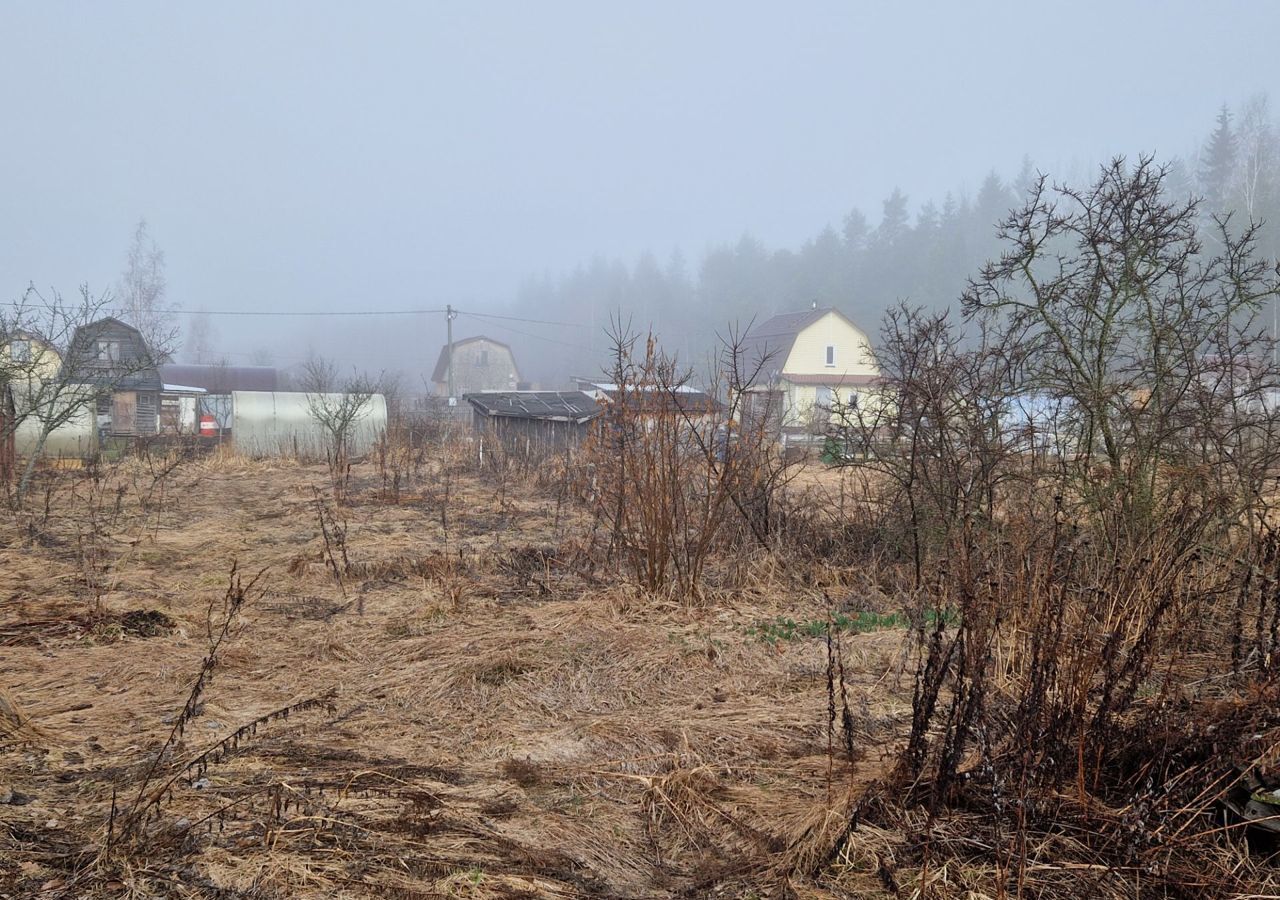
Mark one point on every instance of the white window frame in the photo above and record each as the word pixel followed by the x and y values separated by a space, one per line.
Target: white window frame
pixel 831 356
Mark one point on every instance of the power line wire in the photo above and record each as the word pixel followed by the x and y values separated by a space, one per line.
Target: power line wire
pixel 309 313
pixel 531 321
pixel 339 312
pixel 536 337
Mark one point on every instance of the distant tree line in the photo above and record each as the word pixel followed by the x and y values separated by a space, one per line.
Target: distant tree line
pixel 924 255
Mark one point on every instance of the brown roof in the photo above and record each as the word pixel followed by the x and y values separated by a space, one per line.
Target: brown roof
pixel 221 379
pixel 771 341
pixel 441 371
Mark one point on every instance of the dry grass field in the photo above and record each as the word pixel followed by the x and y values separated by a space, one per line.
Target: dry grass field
pixel 447 697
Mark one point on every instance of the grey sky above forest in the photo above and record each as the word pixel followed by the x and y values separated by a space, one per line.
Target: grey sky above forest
pixel 326 155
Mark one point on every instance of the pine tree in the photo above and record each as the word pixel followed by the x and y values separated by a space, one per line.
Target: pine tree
pixel 1217 165
pixel 893 224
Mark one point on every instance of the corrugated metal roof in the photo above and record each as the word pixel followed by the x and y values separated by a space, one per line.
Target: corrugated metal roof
pixel 564 406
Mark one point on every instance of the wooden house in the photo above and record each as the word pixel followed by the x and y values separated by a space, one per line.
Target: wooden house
pixel 479 364
pixel 113 357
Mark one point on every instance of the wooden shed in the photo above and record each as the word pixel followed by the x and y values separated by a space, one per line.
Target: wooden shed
pixel 534 421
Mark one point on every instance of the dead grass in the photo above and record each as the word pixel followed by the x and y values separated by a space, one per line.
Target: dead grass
pixel 503 719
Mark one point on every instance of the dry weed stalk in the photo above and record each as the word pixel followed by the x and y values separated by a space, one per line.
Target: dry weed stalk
pixel 334 532
pixel 145 804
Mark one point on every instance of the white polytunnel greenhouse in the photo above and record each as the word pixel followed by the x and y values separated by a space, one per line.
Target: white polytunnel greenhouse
pixel 74 438
pixel 279 423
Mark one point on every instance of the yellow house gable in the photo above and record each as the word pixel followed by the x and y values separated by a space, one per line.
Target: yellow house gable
pixel 831 346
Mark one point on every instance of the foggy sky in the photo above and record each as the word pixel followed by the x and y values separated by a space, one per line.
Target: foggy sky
pixel 318 155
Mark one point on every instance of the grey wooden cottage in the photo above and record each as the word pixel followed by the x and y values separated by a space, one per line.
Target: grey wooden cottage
pixel 113 356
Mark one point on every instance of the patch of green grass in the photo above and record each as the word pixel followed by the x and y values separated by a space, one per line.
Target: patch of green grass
pixel 784 628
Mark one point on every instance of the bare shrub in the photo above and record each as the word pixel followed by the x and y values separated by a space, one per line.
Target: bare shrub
pixel 667 472
pixel 1072 597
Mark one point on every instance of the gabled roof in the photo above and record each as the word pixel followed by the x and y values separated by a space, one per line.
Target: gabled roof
pixel 106 323
pixel 549 406
pixel 136 362
pixel 441 371
pixel 26 334
pixel 773 339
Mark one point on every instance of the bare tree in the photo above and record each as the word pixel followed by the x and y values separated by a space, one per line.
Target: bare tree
pixel 201 334
pixel 933 431
pixel 318 374
pixel 337 405
pixel 671 466
pixel 1122 313
pixel 1257 163
pixel 261 356
pixel 54 380
pixel 142 290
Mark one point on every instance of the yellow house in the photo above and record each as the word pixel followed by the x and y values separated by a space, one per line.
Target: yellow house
pixel 28 356
pixel 804 363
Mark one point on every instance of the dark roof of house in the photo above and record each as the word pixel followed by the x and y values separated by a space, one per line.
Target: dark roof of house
pixel 222 379
pixel 440 373
pixel 136 361
pixel 767 345
pixel 554 406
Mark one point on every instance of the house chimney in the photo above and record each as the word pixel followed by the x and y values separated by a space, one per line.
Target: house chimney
pixel 815 305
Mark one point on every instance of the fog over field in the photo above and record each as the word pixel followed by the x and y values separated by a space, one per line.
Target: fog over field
pixel 689 163
pixel 955 575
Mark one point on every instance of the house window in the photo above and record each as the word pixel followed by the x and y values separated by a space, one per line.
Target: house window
pixel 109 351
pixel 484 357
pixel 826 397
pixel 831 354
pixel 20 351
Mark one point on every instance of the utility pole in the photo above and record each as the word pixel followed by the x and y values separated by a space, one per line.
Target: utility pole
pixel 449 316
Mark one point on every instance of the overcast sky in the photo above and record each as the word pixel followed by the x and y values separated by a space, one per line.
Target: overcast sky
pixel 338 155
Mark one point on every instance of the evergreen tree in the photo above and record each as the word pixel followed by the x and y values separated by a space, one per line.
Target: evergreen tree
pixel 893 222
pixel 1217 164
pixel 856 231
